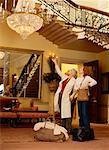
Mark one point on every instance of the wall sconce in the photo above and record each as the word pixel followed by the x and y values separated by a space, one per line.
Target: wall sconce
pixel 52 55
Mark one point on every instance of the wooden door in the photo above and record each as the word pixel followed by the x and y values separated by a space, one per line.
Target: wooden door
pixel 93 71
pixel 1 75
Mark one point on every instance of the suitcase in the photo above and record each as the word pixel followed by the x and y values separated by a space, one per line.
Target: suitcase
pixel 82 134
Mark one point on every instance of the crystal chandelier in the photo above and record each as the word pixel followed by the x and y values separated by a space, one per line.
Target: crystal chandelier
pixel 4 13
pixel 25 19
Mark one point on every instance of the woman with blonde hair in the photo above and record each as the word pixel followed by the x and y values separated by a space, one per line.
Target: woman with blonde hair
pixel 62 101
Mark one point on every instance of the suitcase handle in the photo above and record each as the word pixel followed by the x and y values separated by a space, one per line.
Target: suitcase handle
pixel 48 119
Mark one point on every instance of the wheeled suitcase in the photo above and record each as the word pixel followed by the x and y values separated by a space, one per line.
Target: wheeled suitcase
pixel 82 134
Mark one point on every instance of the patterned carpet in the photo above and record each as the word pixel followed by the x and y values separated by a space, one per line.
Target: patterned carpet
pixel 23 139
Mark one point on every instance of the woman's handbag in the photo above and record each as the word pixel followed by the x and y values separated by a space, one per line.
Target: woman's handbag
pixel 83 95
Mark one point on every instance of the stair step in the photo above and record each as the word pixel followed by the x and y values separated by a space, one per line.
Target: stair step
pixel 57 32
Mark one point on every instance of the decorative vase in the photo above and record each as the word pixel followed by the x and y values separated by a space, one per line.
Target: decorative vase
pixel 53 86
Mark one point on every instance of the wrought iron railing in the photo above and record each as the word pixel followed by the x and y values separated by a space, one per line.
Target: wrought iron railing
pixel 26 75
pixel 92 21
pixel 79 15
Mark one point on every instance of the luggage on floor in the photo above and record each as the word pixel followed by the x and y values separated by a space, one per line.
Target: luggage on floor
pixel 47 135
pixel 50 132
pixel 82 134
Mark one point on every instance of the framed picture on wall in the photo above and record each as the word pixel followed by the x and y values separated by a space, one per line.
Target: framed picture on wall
pixel 105 83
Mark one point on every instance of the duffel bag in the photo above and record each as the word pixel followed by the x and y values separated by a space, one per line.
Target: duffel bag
pixel 83 134
pixel 47 135
pixel 50 132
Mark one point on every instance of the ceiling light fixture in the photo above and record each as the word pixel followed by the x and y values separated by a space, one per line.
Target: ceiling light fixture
pixel 25 19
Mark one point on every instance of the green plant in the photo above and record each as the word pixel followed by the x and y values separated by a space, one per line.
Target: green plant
pixel 52 75
pixel 48 77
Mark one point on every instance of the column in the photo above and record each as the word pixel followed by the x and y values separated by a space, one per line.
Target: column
pixel 51 103
pixel 6 70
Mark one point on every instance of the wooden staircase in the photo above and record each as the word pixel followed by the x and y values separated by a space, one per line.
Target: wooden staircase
pixel 86 18
pixel 58 33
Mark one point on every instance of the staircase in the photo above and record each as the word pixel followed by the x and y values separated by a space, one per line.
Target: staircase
pixel 58 33
pixel 32 88
pixel 28 79
pixel 67 15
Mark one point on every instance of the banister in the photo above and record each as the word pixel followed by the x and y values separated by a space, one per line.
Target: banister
pixel 24 69
pixel 87 8
pixel 22 75
pixel 73 3
pixel 94 10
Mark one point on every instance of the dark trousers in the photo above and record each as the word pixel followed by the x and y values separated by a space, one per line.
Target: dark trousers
pixel 67 124
pixel 83 114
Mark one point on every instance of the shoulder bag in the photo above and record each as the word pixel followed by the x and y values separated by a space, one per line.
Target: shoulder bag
pixel 82 93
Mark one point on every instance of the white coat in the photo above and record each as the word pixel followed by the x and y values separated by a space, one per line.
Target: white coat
pixel 65 101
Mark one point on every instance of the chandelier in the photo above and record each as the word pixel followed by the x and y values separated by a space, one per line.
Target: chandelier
pixel 25 19
pixel 4 13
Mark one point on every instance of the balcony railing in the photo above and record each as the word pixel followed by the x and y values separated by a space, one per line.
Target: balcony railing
pixel 93 22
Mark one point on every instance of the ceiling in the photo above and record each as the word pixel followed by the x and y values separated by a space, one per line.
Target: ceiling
pixel 98 4
pixel 83 45
pixel 66 39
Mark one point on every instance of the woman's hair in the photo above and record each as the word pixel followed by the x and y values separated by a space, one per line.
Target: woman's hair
pixel 86 71
pixel 75 72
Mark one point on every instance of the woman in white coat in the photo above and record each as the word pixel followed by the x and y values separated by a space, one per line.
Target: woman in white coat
pixel 62 102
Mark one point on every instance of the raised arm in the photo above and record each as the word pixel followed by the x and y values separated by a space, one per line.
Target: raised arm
pixel 92 82
pixel 57 68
